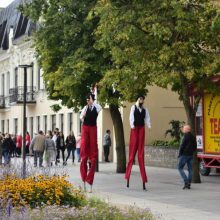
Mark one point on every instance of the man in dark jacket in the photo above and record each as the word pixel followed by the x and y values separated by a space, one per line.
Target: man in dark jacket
pixel 107 144
pixel 187 148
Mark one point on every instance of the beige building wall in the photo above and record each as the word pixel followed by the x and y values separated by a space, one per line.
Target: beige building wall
pixel 163 106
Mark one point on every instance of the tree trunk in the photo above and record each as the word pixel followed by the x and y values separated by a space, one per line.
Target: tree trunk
pixel 119 138
pixel 190 114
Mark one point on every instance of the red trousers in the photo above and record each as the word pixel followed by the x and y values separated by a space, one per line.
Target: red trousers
pixel 136 144
pixel 88 150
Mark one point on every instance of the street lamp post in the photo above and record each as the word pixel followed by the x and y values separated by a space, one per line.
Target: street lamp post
pixel 24 120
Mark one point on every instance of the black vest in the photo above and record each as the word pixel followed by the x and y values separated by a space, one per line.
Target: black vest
pixel 139 117
pixel 91 116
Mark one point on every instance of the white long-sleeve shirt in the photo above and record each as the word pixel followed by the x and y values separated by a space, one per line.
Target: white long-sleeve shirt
pixel 83 112
pixel 146 119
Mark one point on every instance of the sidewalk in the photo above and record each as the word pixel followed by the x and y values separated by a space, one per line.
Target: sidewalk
pixel 165 197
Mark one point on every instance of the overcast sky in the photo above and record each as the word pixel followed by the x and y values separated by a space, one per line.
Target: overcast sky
pixel 5 3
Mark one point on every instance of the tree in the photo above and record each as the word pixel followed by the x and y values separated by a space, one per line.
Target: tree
pixel 175 43
pixel 71 64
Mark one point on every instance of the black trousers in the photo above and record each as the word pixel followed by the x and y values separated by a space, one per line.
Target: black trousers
pixel 106 152
pixel 58 154
pixel 69 151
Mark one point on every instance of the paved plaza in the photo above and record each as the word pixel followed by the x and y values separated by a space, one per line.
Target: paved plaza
pixel 165 197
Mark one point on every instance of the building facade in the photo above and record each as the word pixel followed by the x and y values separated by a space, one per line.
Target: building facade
pixel 16 49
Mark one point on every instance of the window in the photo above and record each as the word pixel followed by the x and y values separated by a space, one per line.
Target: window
pixel 61 122
pixel 31 124
pixel 38 123
pixel 3 126
pixel 45 124
pixel 38 78
pixel 3 84
pixel 70 122
pixel 16 78
pixel 8 126
pixel 8 82
pixel 53 122
pixel 16 126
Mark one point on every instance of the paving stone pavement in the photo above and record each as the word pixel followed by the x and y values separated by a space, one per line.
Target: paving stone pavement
pixel 164 196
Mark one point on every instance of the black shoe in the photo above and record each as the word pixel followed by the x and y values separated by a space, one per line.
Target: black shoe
pixel 64 163
pixel 128 183
pixel 144 187
pixel 186 186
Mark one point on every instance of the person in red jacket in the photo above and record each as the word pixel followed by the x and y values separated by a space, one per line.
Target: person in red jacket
pixel 139 117
pixel 89 146
pixel 28 142
pixel 18 144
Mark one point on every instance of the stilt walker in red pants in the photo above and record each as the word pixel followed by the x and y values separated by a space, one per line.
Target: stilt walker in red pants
pixel 139 116
pixel 89 146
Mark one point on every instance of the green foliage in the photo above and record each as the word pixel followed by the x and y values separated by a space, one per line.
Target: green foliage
pixel 64 46
pixel 175 131
pixel 169 43
pixel 55 107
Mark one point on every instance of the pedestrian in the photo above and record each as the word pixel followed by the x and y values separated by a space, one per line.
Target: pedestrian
pixel 60 147
pixel 14 139
pixel 11 145
pixel 71 146
pixel 107 144
pixel 7 145
pixel 54 138
pixel 50 151
pixel 89 146
pixel 38 146
pixel 27 144
pixel 18 145
pixel 50 133
pixel 187 147
pixel 139 116
pixel 78 143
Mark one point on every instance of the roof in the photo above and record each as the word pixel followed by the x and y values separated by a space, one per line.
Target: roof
pixel 10 16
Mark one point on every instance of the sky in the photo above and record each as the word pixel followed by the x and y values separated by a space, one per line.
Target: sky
pixel 5 3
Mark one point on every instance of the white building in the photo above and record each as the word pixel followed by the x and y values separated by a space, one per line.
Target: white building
pixel 16 49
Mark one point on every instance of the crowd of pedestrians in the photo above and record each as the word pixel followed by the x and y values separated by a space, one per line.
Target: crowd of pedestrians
pixel 47 148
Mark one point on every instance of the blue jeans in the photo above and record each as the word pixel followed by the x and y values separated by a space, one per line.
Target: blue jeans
pixel 183 160
pixel 40 155
pixel 7 157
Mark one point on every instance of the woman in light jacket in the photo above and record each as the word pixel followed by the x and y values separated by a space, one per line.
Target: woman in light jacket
pixel 50 151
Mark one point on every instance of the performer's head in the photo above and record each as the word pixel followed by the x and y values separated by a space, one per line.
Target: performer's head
pixel 140 100
pixel 90 99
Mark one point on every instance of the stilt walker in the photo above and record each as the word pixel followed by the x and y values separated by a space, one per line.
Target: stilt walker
pixel 139 116
pixel 89 146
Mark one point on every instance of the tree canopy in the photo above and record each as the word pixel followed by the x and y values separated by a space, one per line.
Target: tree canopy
pixel 171 42
pixel 125 45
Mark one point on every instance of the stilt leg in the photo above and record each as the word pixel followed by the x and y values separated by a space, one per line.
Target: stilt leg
pixel 128 183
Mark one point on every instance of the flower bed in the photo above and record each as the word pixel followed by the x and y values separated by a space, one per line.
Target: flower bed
pixel 93 210
pixel 39 190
